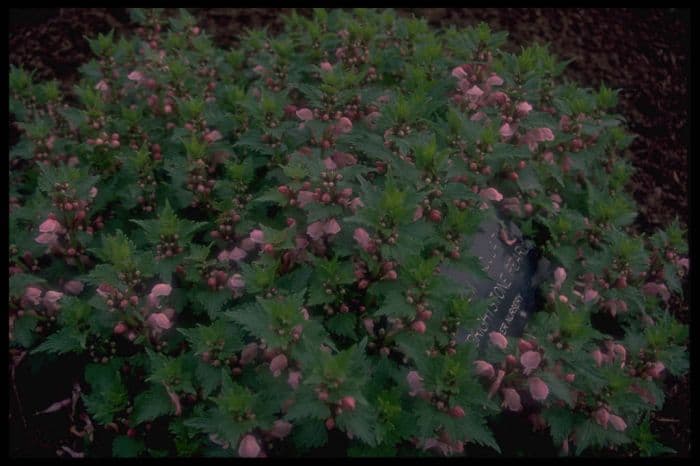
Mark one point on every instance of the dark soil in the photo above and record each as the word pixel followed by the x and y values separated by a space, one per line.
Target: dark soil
pixel 643 52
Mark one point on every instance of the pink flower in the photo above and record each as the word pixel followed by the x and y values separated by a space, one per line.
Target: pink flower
pixel 104 290
pixel 159 321
pixel 474 93
pixel 506 131
pixel 484 369
pixel 618 423
pixel 457 411
pixel 33 295
pixel 511 400
pixel 348 403
pixel 50 226
pixel 135 76
pixel 602 416
pixel 237 254
pixel 315 230
pixel 652 289
pixel 278 364
pixel 236 282
pixel 545 134
pixel 257 236
pixel 597 357
pixel 494 80
pixel 73 287
pixel 530 361
pixel 491 194
pixel 329 164
pixel 459 73
pixel 47 238
pixel 418 326
pixel 281 428
pixel 497 339
pixel 50 300
pixel 344 125
pixel 325 66
pixel 559 277
pixel 304 197
pixel 363 239
pixel 415 383
pixel 590 295
pixel 343 159
pixel 102 86
pixel 161 289
pixel 305 114
pixel 213 136
pixel 249 352
pixel 656 369
pixel 294 379
pixel 331 227
pixel 249 447
pixel 538 389
pixel 478 116
pixel 523 108
pixel 259 69
pixel 418 213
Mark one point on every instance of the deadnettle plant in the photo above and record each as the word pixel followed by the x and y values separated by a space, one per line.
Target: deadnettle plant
pixel 244 244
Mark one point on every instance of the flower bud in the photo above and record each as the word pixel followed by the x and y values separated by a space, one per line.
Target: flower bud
pixel 249 447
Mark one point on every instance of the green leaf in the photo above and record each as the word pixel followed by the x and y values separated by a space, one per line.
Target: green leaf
pixel 151 404
pixel 126 447
pixel 343 325
pixel 66 340
pixel 309 434
pixel 108 394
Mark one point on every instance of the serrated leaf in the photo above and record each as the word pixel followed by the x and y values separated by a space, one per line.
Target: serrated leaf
pixel 126 447
pixel 151 404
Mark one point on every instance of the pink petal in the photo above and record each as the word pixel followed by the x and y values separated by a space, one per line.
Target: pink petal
pixel 415 382
pixel 474 93
pixel 294 379
pixel 494 80
pixel 325 66
pixel 497 339
pixel 237 254
pixel 135 76
pixel 559 277
pixel 236 282
pixel 213 136
pixel 329 164
pixel 538 389
pixel 304 197
pixel 249 447
pixel 33 295
pixel 305 114
pixel 332 227
pixel 618 423
pixel 249 353
pixel 484 369
pixel 506 131
pixel 511 399
pixel 344 125
pixel 257 236
pixel 459 73
pixel 491 194
pixel 278 364
pixel 602 416
pixel 46 238
pixel 523 108
pixel 530 361
pixel 343 159
pixel 281 428
pixel 478 116
pixel 159 321
pixel 363 239
pixel 315 230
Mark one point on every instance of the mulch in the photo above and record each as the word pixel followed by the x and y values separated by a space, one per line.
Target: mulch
pixel 643 52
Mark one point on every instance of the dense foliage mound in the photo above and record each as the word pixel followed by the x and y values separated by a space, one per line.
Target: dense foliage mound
pixel 243 246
